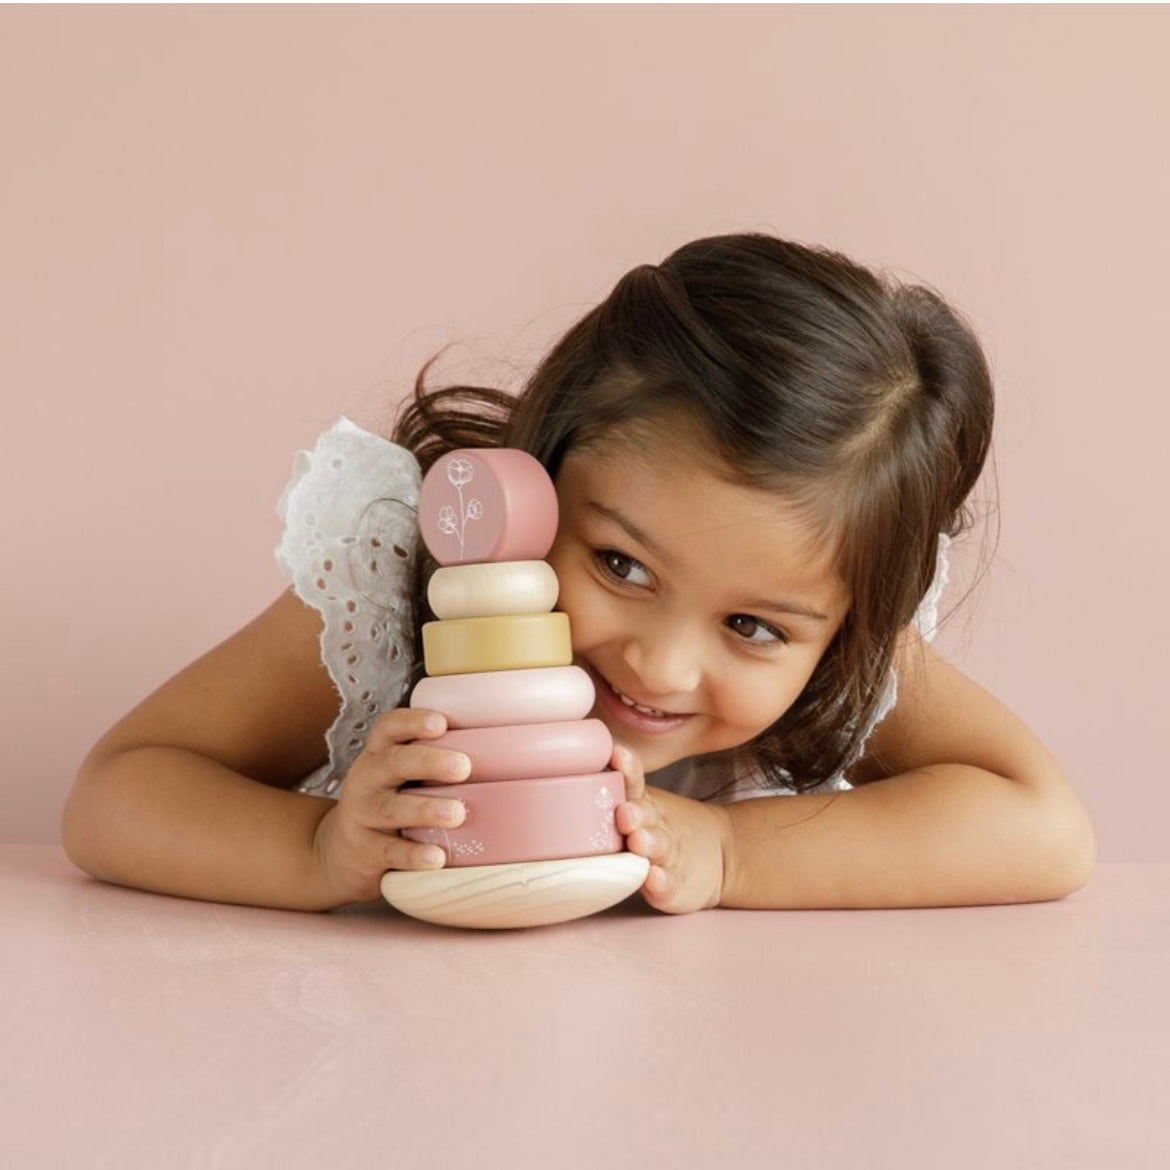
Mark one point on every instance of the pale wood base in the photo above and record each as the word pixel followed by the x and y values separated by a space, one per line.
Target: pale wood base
pixel 525 893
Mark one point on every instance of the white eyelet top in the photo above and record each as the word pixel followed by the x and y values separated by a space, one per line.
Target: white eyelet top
pixel 350 515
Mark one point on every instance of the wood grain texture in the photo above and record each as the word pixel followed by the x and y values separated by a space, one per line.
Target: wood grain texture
pixel 529 893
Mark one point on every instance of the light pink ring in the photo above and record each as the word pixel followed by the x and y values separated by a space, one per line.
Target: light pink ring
pixel 547 694
pixel 571 748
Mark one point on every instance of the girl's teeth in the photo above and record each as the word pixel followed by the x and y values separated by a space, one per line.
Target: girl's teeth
pixel 637 707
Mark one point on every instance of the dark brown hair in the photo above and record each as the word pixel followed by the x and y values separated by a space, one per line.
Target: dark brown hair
pixel 866 401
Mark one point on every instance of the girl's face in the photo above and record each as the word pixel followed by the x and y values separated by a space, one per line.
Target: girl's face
pixel 698 607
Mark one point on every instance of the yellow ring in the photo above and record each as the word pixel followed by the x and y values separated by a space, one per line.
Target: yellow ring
pixel 515 642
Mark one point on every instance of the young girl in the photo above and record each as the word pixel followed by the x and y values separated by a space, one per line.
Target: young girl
pixel 761 451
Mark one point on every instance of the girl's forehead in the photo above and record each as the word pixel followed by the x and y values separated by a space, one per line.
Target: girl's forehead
pixel 646 432
pixel 655 454
pixel 654 445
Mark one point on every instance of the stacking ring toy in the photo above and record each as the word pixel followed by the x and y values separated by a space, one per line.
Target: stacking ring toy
pixel 539 842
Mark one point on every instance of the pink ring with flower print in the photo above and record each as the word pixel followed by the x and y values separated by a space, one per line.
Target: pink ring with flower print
pixel 487 504
pixel 529 820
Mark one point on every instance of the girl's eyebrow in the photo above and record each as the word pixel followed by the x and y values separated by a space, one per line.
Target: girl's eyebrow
pixel 793 607
pixel 613 515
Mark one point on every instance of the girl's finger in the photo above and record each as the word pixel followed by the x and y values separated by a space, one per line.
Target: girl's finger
pixel 401 726
pixel 635 814
pixel 649 843
pixel 394 852
pixel 400 810
pixel 627 817
pixel 657 883
pixel 630 766
pixel 387 771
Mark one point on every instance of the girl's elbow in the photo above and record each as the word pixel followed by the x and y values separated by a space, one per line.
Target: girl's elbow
pixel 1062 839
pixel 74 828
pixel 80 824
pixel 1082 854
pixel 1074 854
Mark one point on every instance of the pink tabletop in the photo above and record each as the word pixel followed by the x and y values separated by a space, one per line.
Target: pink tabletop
pixel 145 1031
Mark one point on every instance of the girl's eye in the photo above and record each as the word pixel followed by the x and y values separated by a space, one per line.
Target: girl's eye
pixel 619 566
pixel 751 629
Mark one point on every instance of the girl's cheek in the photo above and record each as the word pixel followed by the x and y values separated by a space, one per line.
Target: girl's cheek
pixel 589 619
pixel 758 708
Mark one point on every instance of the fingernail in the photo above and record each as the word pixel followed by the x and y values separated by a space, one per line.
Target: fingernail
pixel 453 811
pixel 433 723
pixel 458 765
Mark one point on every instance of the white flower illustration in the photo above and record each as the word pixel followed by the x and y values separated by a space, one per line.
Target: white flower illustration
pixel 459 472
pixel 453 522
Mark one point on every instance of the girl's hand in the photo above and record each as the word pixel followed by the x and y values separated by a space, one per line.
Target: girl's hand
pixel 684 840
pixel 357 840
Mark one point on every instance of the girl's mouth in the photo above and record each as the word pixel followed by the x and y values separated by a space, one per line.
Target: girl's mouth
pixel 637 706
pixel 624 710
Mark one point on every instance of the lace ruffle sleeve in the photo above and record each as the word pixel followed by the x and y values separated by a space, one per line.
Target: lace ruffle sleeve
pixel 350 514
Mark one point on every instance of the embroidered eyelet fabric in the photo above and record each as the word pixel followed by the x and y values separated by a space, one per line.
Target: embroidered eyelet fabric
pixel 350 516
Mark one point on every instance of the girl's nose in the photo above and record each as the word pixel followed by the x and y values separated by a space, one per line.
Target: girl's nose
pixel 665 663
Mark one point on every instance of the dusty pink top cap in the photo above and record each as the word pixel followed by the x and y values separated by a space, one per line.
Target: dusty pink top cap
pixel 487 504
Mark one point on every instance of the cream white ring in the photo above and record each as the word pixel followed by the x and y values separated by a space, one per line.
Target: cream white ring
pixel 492 588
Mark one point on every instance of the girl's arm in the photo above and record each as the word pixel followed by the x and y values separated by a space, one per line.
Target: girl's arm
pixel 187 794
pixel 958 803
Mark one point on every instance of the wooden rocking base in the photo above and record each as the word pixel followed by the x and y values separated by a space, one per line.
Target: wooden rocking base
pixel 524 893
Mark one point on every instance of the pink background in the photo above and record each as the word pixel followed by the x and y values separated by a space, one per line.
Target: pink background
pixel 222 227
